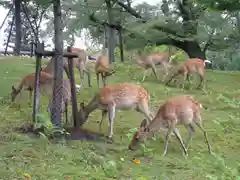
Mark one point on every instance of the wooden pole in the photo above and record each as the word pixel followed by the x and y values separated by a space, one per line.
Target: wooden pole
pixel 73 90
pixel 39 50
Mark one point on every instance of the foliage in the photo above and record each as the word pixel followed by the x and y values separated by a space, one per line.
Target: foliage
pixel 36 14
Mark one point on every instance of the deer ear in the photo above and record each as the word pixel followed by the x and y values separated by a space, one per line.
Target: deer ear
pixel 82 105
pixel 13 88
pixel 143 123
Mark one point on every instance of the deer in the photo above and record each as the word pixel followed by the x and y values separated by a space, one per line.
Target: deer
pixel 162 59
pixel 112 97
pixel 193 65
pixel 178 110
pixel 102 67
pixel 27 83
pixel 79 63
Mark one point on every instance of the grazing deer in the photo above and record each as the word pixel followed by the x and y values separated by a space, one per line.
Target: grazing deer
pixel 194 65
pixel 27 83
pixel 183 110
pixel 114 97
pixel 79 63
pixel 151 61
pixel 102 67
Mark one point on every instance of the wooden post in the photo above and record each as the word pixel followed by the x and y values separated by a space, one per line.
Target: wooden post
pixel 58 68
pixel 17 26
pixel 39 50
pixel 73 90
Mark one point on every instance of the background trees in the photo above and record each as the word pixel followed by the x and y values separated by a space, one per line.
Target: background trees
pixel 202 28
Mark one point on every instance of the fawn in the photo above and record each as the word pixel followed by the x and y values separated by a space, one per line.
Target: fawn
pixel 194 65
pixel 114 97
pixel 27 83
pixel 151 61
pixel 183 110
pixel 102 67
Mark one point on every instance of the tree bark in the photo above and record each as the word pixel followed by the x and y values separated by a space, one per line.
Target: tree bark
pixel 58 63
pixel 17 26
pixel 111 33
pixel 121 45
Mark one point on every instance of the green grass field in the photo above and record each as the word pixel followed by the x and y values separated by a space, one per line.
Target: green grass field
pixel 89 160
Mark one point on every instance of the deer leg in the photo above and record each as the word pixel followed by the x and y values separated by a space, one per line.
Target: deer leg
pixel 66 111
pixel 177 134
pixel 89 77
pixel 200 125
pixel 191 131
pixel 168 135
pixel 104 113
pixel 97 74
pixel 154 71
pixel 81 71
pixel 103 79
pixel 171 79
pixel 144 109
pixel 166 72
pixel 144 75
pixel 30 97
pixel 201 82
pixel 184 79
pixel 111 116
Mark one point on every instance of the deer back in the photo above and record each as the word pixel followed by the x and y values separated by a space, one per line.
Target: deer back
pixel 123 95
pixel 194 65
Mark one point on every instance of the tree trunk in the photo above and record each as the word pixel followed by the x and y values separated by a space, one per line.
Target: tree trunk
pixel 58 63
pixel 121 44
pixel 111 33
pixel 193 50
pixel 18 27
pixel 190 47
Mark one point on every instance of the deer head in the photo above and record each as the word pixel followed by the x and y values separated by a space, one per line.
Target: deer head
pixel 82 114
pixel 14 93
pixel 139 136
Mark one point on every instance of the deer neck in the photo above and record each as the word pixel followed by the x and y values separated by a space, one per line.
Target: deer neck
pixel 92 105
pixel 50 67
pixel 155 125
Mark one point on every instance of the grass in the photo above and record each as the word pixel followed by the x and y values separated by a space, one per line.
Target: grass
pixel 76 160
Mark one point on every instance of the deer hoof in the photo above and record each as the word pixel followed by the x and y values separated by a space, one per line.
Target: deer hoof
pixel 110 140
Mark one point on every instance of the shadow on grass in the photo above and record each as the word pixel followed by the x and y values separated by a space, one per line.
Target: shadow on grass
pixel 75 133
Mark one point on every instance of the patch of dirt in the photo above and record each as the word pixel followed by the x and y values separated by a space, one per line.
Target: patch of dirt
pixel 84 134
pixel 75 133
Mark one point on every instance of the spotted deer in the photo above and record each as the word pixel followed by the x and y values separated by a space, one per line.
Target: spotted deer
pixel 80 63
pixel 114 97
pixel 27 83
pixel 153 60
pixel 194 65
pixel 102 67
pixel 177 110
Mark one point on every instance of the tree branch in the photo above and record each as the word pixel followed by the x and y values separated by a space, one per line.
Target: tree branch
pixel 169 31
pixel 104 23
pixel 209 41
pixel 131 11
